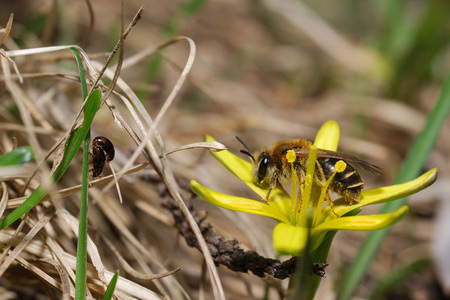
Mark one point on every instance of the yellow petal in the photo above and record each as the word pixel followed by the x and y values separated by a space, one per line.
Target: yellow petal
pixel 387 193
pixel 289 239
pixel 328 136
pixel 238 203
pixel 243 170
pixel 369 222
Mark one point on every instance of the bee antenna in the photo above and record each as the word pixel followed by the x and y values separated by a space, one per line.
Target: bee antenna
pixel 246 151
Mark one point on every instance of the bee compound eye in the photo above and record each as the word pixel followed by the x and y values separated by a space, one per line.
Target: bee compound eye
pixel 264 161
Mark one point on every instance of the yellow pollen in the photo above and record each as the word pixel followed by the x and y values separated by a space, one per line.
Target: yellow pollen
pixel 340 166
pixel 291 156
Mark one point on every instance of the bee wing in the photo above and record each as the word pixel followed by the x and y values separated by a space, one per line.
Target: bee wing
pixel 348 158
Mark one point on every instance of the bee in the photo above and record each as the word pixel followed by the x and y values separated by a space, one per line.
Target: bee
pixel 271 166
pixel 102 150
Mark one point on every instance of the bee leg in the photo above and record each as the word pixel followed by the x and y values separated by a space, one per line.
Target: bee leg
pixel 322 181
pixel 330 202
pixel 273 183
pixel 267 196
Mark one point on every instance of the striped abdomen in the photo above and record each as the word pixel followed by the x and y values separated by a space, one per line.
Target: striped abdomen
pixel 347 183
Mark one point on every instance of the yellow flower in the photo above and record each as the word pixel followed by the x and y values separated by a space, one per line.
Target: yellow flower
pixel 292 232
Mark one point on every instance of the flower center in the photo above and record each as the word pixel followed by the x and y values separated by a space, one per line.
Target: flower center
pixel 307 195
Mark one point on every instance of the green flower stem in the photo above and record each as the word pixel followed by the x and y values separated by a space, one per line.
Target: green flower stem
pixel 410 169
pixel 320 255
pixel 300 281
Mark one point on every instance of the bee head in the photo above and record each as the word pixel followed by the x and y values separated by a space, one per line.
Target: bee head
pixel 262 168
pixel 262 164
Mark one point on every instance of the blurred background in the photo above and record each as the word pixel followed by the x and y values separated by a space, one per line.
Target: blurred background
pixel 269 70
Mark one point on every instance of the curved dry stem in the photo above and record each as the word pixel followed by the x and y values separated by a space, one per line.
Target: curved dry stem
pixel 7 29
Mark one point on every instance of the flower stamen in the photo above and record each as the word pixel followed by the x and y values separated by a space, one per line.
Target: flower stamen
pixel 339 167
pixel 308 183
pixel 291 158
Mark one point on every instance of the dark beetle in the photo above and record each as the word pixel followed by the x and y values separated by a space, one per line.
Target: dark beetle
pixel 102 151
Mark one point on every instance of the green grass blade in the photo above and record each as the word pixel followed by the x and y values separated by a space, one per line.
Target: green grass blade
pixel 410 169
pixel 398 29
pixel 17 156
pixel 111 287
pixel 84 90
pixel 81 266
pixel 80 282
pixel 72 147
pixel 427 42
pixel 394 278
pixel 77 137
